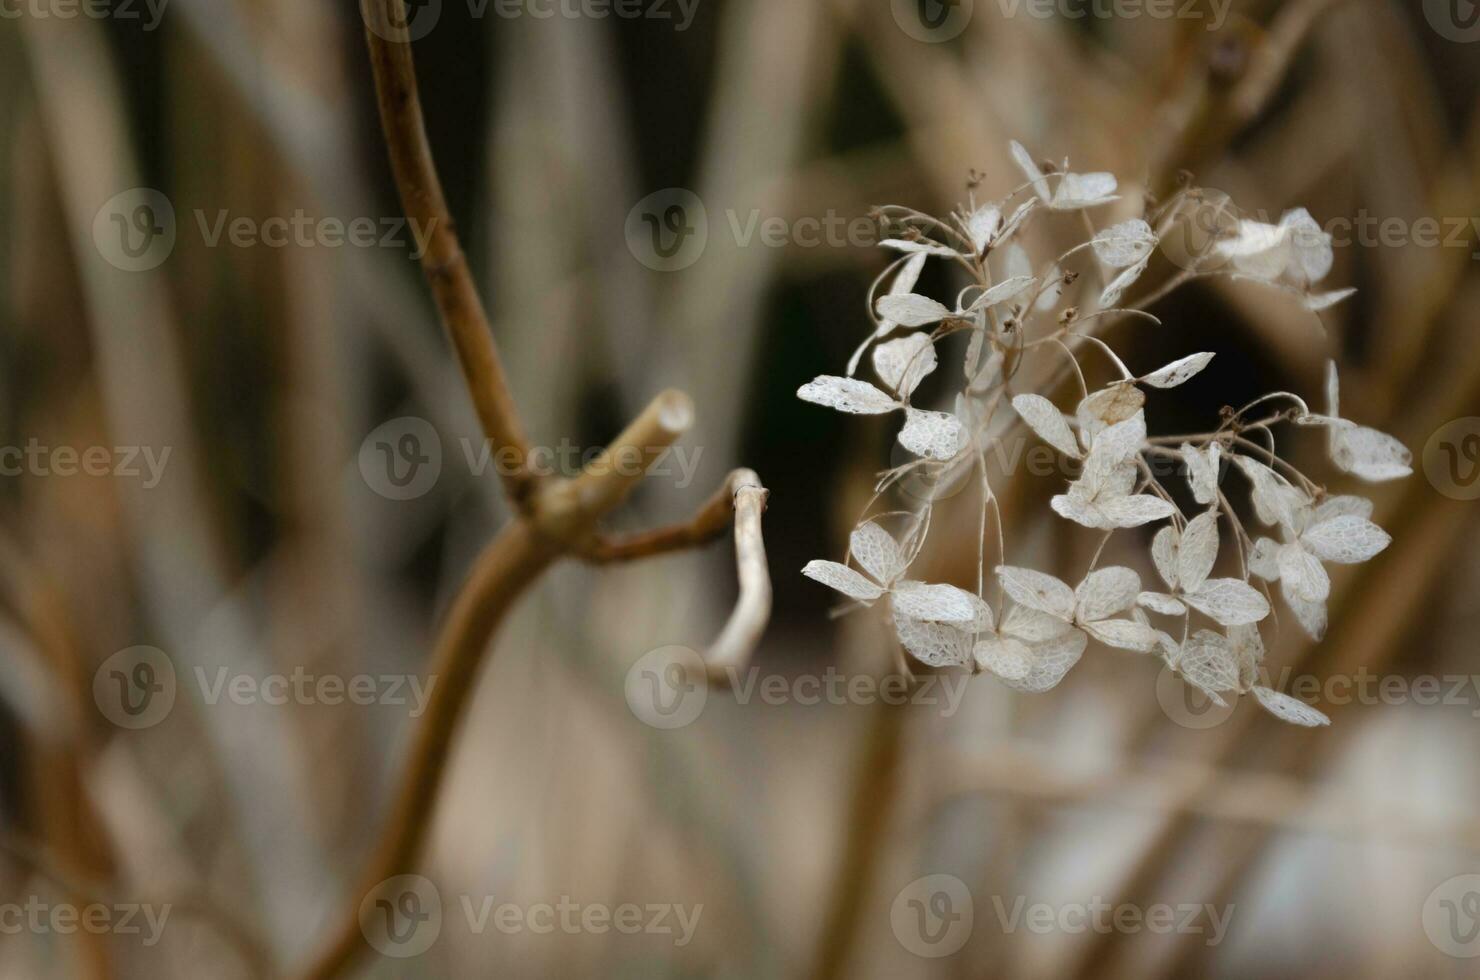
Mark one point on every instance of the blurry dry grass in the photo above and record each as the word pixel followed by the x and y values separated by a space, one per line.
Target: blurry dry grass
pixel 793 826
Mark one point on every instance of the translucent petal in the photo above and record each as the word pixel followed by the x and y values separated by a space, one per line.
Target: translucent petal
pixel 935 603
pixel 1202 470
pixel 1310 615
pixel 1015 263
pixel 1136 511
pixel 1316 302
pixel 1310 245
pixel 1051 661
pixel 1159 602
pixel 1229 601
pixel 1302 574
pixel 1032 626
pixel 935 644
pixel 1259 250
pixel 1248 650
pixel 1111 406
pixel 1116 288
pixel 1370 455
pixel 847 395
pixel 1002 292
pixel 1339 506
pixel 918 246
pixel 876 552
pixel 1164 548
pixel 982 225
pixel 1125 244
pixel 902 364
pixel 1207 663
pixel 1198 551
pixel 1030 169
pixel 1178 372
pixel 1105 592
pixel 911 310
pixel 1072 508
pixel 1346 539
pixel 1123 634
pixel 1037 590
pixel 1264 559
pixel 844 579
pixel 1007 658
pixel 1048 423
pixel 1083 191
pixel 1286 708
pixel 936 435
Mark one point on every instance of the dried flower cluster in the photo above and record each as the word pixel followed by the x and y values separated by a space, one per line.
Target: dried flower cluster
pixel 1206 628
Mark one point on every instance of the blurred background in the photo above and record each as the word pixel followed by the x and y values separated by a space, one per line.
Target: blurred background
pixel 213 320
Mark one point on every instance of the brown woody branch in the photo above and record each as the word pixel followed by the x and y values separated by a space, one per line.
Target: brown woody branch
pixel 554 518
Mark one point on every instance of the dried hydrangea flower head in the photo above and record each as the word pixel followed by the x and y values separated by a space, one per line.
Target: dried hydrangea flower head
pixel 1016 308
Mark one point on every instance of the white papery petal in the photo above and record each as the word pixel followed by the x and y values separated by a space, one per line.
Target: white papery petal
pixel 1370 455
pixel 1229 601
pixel 935 603
pixel 1198 551
pixel 1007 658
pixel 982 225
pixel 935 435
pixel 876 551
pixel 1259 250
pixel 1073 508
pixel 1030 169
pixel 1051 661
pixel 904 284
pixel 934 644
pixel 1112 406
pixel 911 310
pixel 1159 602
pixel 1047 422
pixel 1273 501
pixel 844 579
pixel 1346 539
pixel 1136 511
pixel 1178 372
pixel 1105 592
pixel 1125 244
pixel 1164 548
pixel 1077 191
pixel 1002 292
pixel 902 364
pixel 1116 288
pixel 1316 302
pixel 1264 559
pixel 1286 708
pixel 1310 245
pixel 1016 219
pixel 1341 506
pixel 918 246
pixel 1032 626
pixel 1015 263
pixel 847 395
pixel 1037 590
pixel 1248 650
pixel 1207 663
pixel 1202 470
pixel 1302 574
pixel 1310 615
pixel 1123 634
